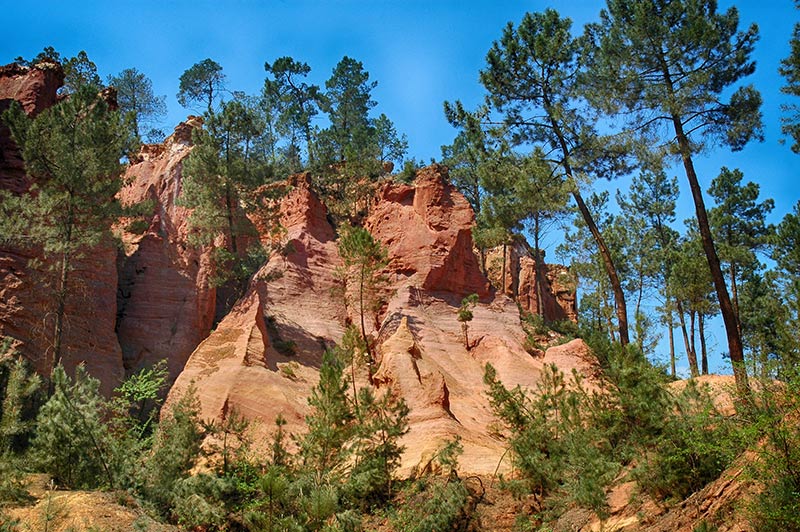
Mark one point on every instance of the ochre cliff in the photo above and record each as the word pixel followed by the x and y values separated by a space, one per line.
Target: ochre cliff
pixel 165 299
pixel 26 292
pixel 539 288
pixel 263 359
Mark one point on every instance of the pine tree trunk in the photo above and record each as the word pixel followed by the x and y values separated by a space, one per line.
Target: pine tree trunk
pixel 703 352
pixel 608 263
pixel 671 335
pixel 729 317
pixel 690 354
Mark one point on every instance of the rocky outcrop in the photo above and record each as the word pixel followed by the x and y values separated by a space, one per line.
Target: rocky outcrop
pixel 427 229
pixel 290 304
pixel 420 352
pixel 555 299
pixel 35 90
pixel 165 300
pixel 26 291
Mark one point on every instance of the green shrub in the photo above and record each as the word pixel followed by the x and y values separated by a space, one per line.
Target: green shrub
pixel 696 445
pixel 774 413
pixel 72 442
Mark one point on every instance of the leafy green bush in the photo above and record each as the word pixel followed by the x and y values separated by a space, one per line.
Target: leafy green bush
pixel 774 414
pixel 696 445
pixel 72 442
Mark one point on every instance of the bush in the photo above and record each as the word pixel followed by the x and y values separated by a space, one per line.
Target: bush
pixel 72 442
pixel 695 446
pixel 774 415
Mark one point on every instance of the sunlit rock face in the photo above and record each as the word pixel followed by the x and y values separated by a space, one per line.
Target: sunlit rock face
pixel 165 299
pixel 27 301
pixel 263 359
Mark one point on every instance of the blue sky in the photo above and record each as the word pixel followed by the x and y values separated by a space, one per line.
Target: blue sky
pixel 421 53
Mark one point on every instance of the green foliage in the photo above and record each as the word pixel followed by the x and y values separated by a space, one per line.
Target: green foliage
pixel 220 181
pixel 201 84
pixel 292 104
pixel 436 505
pixel 465 315
pixel 569 444
pixel 773 416
pixel 80 72
pixel 73 151
pixel 72 443
pixel 136 101
pixel 18 388
pixel 695 445
pixel 360 276
pixel 176 448
pixel 381 422
pixel 790 69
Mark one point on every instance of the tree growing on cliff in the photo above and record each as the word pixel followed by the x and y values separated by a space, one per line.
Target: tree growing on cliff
pixel 667 64
pixel 465 316
pixel 363 259
pixel 201 84
pixel 296 103
pixel 73 152
pixel 136 100
pixel 218 186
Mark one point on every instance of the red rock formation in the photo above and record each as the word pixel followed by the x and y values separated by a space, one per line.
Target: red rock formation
pixel 556 301
pixel 26 296
pixel 420 355
pixel 35 89
pixel 427 228
pixel 166 305
pixel 291 296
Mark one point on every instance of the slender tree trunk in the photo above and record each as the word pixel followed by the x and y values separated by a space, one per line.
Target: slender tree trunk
pixel 229 210
pixel 729 316
pixel 703 352
pixel 608 264
pixel 61 293
pixel 735 297
pixel 671 335
pixel 690 354
pixel 692 335
pixel 61 303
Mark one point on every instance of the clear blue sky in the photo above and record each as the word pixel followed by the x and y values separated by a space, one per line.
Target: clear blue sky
pixel 421 53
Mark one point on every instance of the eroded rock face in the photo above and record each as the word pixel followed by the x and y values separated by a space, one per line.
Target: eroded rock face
pixel 426 228
pixel 555 299
pixel 420 352
pixel 165 301
pixel 35 90
pixel 269 372
pixel 27 302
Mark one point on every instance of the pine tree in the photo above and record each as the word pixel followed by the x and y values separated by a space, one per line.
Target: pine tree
pixel 201 84
pixel 738 222
pixel 672 59
pixel 532 77
pixel 296 103
pixel 79 72
pixel 72 442
pixel 136 100
pixel 324 449
pixel 363 258
pixel 790 69
pixel 73 152
pixel 219 184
